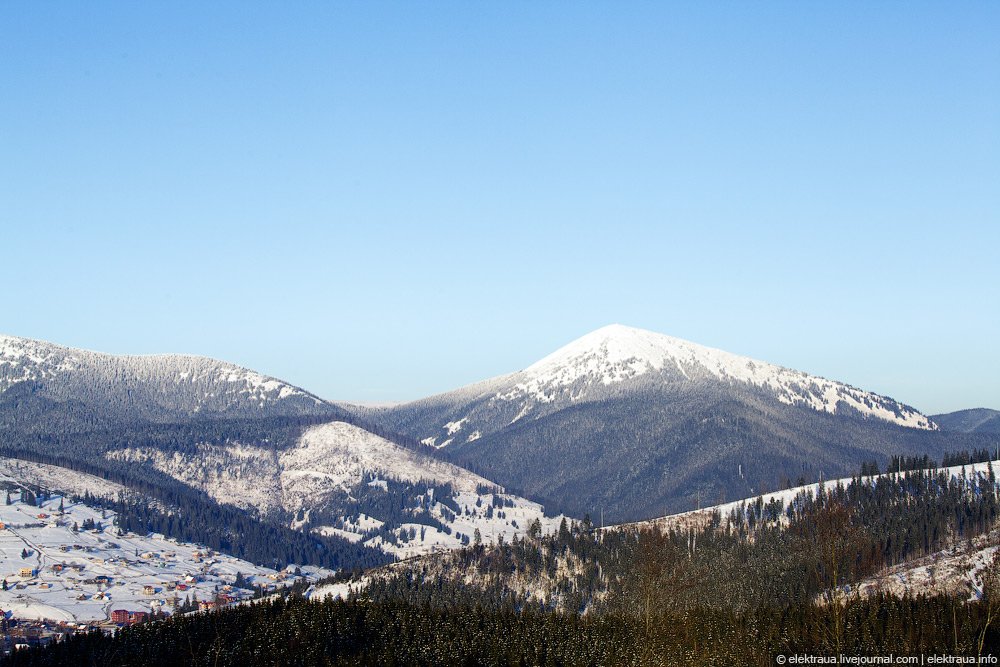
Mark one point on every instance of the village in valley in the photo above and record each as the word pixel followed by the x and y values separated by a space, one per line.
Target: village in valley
pixel 67 568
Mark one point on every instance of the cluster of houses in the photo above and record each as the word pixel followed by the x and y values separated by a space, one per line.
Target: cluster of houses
pixel 77 563
pixel 104 583
pixel 24 633
pixel 146 579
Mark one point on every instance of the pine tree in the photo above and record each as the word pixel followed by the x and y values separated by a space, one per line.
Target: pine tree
pixel 990 578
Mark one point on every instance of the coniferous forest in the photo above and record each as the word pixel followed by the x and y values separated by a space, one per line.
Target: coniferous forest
pixel 768 579
pixel 298 632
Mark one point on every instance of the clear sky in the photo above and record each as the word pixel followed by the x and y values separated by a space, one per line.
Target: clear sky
pixel 382 201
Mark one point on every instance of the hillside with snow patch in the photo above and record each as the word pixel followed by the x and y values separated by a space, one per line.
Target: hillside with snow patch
pixel 334 478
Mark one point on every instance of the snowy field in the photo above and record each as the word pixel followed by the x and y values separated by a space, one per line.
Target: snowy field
pixel 55 569
pixel 54 477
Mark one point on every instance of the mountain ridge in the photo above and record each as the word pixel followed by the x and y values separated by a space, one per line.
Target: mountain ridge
pixel 973 420
pixel 636 422
pixel 152 387
pixel 612 356
pixel 192 428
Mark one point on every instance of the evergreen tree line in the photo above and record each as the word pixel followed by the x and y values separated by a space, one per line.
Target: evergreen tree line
pixel 768 579
pixel 393 502
pixel 295 632
pixel 762 554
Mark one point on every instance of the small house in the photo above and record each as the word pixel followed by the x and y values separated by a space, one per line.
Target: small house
pixel 138 616
pixel 27 572
pixel 148 590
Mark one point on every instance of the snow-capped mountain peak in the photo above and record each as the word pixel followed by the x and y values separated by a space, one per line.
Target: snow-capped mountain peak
pixel 617 353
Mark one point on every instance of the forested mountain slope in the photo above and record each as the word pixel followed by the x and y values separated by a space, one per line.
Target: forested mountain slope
pixel 635 424
pixel 220 444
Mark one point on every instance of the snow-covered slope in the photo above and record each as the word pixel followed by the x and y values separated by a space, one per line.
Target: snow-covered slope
pixel 62 558
pixel 952 571
pixel 151 387
pixel 616 359
pixel 328 459
pixel 955 571
pixel 326 472
pixel 246 440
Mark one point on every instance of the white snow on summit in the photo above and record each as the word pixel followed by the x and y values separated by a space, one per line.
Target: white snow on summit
pixel 22 360
pixel 617 353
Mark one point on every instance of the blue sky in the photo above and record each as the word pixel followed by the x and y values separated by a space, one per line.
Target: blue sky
pixel 382 201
